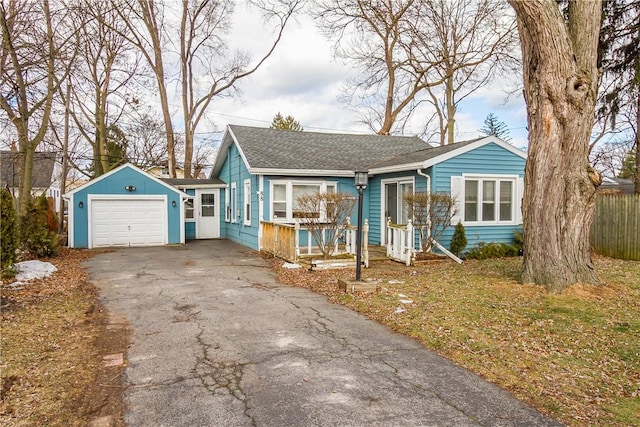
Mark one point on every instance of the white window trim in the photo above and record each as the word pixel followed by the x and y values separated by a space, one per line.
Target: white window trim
pixel 234 203
pixel 515 200
pixel 227 204
pixel 289 195
pixel 383 191
pixel 247 202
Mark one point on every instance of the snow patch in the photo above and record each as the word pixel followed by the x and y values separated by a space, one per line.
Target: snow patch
pixel 290 265
pixel 32 270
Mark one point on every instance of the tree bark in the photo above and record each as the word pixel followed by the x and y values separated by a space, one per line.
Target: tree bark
pixel 560 89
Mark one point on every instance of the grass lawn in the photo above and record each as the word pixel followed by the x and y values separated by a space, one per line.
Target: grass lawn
pixel 574 356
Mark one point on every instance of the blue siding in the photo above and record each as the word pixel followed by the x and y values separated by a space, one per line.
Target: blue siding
pixel 114 185
pixel 488 159
pixel 375 195
pixel 235 171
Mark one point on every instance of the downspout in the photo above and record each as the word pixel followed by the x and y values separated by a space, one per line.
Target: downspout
pixel 428 178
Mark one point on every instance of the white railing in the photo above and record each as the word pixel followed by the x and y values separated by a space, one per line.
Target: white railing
pixel 283 240
pixel 401 242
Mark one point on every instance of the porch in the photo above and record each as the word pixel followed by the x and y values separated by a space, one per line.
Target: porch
pixel 294 243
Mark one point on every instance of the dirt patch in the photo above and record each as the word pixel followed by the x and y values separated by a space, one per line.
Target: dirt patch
pixel 594 292
pixel 55 334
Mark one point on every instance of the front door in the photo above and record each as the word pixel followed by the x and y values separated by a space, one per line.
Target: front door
pixel 208 224
pixel 394 207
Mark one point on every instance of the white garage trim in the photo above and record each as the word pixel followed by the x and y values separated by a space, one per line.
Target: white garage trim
pixel 91 199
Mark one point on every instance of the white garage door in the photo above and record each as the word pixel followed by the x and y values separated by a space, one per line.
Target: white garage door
pixel 128 222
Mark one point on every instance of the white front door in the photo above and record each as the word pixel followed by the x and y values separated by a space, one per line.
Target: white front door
pixel 207 205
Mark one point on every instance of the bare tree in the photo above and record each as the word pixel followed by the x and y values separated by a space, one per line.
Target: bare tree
pixel 144 27
pixel 206 68
pixel 146 136
pixel 107 66
pixel 203 52
pixel 448 48
pixel 377 38
pixel 560 86
pixel 33 63
pixel 431 214
pixel 474 38
pixel 324 214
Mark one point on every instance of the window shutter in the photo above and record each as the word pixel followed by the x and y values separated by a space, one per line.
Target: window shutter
pixel 518 201
pixel 457 193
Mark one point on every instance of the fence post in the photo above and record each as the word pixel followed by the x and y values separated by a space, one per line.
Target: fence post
pixel 389 245
pixel 296 229
pixel 409 243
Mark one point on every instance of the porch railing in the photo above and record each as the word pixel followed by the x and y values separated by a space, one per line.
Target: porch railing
pixel 401 242
pixel 283 240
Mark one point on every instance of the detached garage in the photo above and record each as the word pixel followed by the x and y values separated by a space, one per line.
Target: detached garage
pixel 125 207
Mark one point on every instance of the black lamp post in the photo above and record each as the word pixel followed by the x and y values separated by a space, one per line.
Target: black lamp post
pixel 361 179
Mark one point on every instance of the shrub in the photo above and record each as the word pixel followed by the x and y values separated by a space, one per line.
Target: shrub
pixel 8 237
pixel 518 241
pixel 492 250
pixel 431 214
pixel 459 239
pixel 36 237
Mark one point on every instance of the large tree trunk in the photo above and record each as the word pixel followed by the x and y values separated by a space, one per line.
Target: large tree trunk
pixel 560 88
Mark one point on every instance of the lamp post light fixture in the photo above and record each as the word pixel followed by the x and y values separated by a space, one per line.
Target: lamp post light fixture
pixel 361 179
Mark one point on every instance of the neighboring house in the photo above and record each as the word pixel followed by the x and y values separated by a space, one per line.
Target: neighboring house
pixel 266 169
pixel 616 186
pixel 46 174
pixel 163 172
pixel 259 173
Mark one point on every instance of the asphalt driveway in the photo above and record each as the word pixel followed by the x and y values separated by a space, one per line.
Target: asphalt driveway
pixel 217 342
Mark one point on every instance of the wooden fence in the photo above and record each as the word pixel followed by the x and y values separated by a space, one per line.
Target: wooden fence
pixel 616 226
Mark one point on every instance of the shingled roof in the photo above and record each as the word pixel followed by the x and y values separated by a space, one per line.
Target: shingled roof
pixel 276 151
pixel 43 165
pixel 265 148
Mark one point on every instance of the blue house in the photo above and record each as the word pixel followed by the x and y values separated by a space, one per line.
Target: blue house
pixel 265 170
pixel 251 195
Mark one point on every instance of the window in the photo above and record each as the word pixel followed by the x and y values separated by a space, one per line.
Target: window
pixel 247 202
pixel 489 200
pixel 279 203
pixel 234 203
pixel 188 209
pixel 299 190
pixel 284 195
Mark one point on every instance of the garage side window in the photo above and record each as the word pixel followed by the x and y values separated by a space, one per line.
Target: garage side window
pixel 247 202
pixel 188 208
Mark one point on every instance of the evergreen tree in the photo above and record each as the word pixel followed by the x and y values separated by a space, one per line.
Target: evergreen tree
pixel 37 237
pixel 8 237
pixel 494 127
pixel 285 123
pixel 459 239
pixel 628 168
